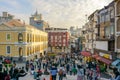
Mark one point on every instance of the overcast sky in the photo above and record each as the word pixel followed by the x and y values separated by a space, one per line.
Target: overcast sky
pixel 58 13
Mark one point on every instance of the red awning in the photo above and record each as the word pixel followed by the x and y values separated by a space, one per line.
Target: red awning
pixel 95 56
pixel 105 60
pixel 84 53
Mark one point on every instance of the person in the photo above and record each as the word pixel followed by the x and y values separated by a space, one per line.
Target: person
pixel 27 65
pixel 80 73
pixel 39 72
pixel 64 73
pixel 22 72
pixel 60 73
pixel 90 74
pixel 53 72
pixel 16 74
pixel 46 72
pixel 32 69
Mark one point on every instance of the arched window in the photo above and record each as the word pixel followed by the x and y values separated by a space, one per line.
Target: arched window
pixel 118 8
pixel 20 51
pixel 20 37
pixel 118 24
pixel 118 43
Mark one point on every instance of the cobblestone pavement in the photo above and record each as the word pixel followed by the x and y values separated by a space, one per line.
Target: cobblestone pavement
pixel 30 77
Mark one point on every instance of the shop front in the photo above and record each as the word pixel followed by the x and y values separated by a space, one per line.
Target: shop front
pixel 102 61
pixel 86 56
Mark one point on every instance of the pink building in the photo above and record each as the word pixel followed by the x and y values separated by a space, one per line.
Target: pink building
pixel 58 39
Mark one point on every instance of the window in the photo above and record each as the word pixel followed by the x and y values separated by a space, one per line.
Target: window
pixel 112 13
pixel 27 37
pixel 8 49
pixel 107 31
pixel 112 31
pixel 8 37
pixel 20 37
pixel 51 37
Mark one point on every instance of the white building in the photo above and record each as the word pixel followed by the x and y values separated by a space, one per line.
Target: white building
pixel 5 17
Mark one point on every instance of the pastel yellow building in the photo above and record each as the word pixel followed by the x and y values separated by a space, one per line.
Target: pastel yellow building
pixel 19 40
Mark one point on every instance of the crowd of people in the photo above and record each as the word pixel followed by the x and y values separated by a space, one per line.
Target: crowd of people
pixel 58 67
pixel 9 71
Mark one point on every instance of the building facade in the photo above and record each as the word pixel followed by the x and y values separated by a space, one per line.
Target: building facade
pixel 117 27
pixel 105 41
pixel 92 31
pixel 58 39
pixel 36 20
pixel 22 41
pixel 5 17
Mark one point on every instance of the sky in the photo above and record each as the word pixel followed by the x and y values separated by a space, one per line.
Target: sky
pixel 58 13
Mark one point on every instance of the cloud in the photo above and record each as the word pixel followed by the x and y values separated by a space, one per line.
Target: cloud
pixel 66 13
pixel 59 13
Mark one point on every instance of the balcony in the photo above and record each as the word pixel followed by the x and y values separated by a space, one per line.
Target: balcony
pixel 110 37
pixel 105 38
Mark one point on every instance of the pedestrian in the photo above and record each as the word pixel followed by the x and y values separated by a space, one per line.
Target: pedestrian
pixel 90 74
pixel 27 65
pixel 80 73
pixel 60 73
pixel 64 73
pixel 53 72
pixel 32 69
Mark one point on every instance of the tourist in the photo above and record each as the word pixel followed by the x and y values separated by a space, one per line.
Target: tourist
pixel 80 73
pixel 53 72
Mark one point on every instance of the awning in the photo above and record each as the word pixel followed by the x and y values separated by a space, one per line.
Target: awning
pixel 116 63
pixel 95 56
pixel 102 59
pixel 84 53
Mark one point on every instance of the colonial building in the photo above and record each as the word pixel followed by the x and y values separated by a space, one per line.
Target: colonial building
pixel 105 44
pixel 19 40
pixel 5 17
pixel 92 31
pixel 36 20
pixel 58 39
pixel 99 36
pixel 117 27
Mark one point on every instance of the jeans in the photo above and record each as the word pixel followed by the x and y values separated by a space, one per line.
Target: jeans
pixel 61 77
pixel 53 77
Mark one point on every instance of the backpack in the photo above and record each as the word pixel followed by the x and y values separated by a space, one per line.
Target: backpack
pixel 60 72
